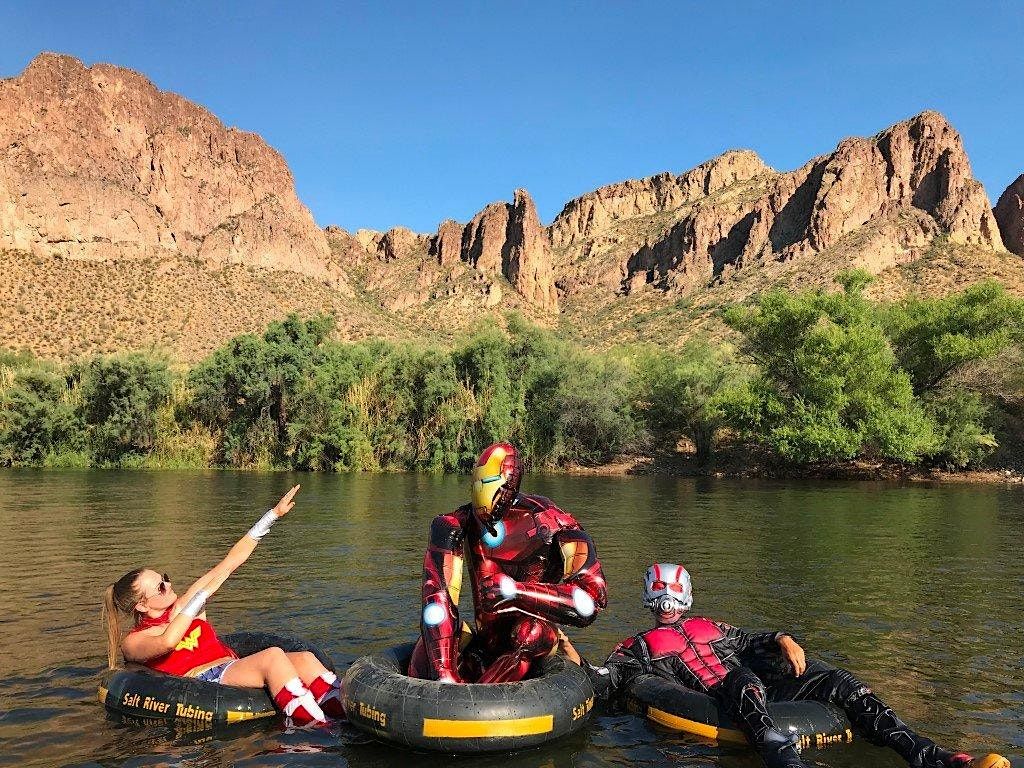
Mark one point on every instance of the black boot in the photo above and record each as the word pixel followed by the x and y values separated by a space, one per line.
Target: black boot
pixel 882 727
pixel 778 750
pixel 749 702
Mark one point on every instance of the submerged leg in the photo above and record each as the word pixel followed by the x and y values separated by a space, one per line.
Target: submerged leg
pixel 876 720
pixel 532 639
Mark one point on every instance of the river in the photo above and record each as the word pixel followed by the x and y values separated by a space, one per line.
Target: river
pixel 917 589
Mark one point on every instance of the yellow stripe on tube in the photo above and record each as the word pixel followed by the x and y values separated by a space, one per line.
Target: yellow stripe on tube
pixel 481 729
pixel 234 717
pixel 697 729
pixel 103 695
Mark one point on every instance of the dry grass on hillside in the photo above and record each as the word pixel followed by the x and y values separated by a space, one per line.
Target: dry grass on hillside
pixel 64 308
pixel 61 308
pixel 651 316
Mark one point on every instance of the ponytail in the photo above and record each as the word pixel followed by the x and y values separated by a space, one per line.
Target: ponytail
pixel 109 614
pixel 119 597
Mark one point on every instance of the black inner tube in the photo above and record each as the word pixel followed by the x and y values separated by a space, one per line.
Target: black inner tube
pixel 382 700
pixel 679 708
pixel 146 695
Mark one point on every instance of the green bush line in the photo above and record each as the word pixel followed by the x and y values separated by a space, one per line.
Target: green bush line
pixel 807 377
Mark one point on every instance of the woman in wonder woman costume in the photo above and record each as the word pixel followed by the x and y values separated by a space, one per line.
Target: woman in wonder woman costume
pixel 171 634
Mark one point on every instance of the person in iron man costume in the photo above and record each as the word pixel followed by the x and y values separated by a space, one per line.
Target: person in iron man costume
pixel 531 567
pixel 746 670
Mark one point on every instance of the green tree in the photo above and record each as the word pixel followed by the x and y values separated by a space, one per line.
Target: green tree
pixel 942 343
pixel 962 419
pixel 689 392
pixel 589 417
pixel 327 427
pixel 120 396
pixel 829 386
pixel 934 339
pixel 557 403
pixel 36 418
pixel 246 388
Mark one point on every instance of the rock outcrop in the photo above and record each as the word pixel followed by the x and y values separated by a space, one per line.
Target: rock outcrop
pixel 1009 213
pixel 586 216
pixel 460 263
pixel 506 239
pixel 912 181
pixel 97 163
pixel 528 266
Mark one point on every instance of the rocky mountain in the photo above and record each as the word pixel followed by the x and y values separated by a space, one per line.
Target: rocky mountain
pixel 97 163
pixel 464 265
pixel 130 217
pixel 1009 212
pixel 877 202
pixel 910 183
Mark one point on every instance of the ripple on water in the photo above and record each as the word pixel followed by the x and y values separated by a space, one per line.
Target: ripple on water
pixel 914 589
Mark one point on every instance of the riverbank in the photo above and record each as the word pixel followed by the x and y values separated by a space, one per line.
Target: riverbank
pixel 739 464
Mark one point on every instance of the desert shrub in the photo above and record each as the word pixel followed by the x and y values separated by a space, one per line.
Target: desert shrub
pixel 120 397
pixel 689 392
pixel 828 385
pixel 36 418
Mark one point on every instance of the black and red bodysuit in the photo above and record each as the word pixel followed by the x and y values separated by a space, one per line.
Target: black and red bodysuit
pixel 537 569
pixel 745 671
pixel 697 652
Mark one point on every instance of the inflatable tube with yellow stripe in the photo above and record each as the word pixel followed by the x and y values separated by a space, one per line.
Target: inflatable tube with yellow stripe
pixel 672 705
pixel 139 692
pixel 382 701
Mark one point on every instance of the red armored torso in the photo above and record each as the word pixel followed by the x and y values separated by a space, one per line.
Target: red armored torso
pixel 537 564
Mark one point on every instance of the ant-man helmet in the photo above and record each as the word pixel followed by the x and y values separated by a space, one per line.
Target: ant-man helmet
pixel 667 581
pixel 496 479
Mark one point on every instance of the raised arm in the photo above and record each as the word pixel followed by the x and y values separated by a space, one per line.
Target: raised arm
pixel 158 641
pixel 212 580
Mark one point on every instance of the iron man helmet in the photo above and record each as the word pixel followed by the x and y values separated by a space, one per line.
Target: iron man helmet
pixel 496 479
pixel 667 580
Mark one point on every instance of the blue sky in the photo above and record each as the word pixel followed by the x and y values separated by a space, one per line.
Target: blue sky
pixel 409 113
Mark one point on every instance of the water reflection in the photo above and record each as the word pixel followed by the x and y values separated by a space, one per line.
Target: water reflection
pixel 916 589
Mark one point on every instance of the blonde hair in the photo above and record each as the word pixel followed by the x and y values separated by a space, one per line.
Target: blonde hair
pixel 119 597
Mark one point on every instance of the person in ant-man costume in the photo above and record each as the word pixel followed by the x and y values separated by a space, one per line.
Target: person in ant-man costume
pixel 531 566
pixel 746 670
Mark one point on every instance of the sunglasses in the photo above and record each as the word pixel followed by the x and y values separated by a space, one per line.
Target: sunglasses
pixel 163 588
pixel 660 585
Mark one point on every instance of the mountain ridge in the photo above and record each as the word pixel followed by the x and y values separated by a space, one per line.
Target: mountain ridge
pixel 98 165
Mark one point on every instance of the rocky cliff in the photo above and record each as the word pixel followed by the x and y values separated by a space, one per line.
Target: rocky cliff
pixel 463 265
pixel 97 163
pixel 131 217
pixel 883 200
pixel 1009 213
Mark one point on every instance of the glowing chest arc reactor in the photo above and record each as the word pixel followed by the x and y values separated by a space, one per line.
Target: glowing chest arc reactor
pixel 491 541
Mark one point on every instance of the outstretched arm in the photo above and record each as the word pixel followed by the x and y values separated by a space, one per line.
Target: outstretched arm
pixel 575 600
pixel 442 583
pixel 157 641
pixel 212 580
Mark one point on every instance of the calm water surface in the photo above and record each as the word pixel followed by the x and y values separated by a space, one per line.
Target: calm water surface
pixel 915 589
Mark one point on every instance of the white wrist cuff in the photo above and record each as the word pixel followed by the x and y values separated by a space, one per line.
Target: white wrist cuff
pixel 195 606
pixel 262 526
